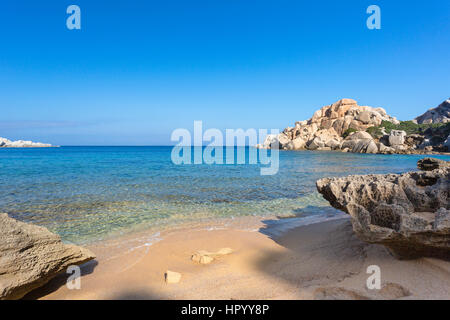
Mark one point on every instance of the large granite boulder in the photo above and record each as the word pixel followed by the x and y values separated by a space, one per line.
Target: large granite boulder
pixel 408 213
pixel 430 164
pixel 271 139
pixel 324 138
pixel 397 138
pixel 316 143
pixel 284 141
pixel 365 146
pixel 359 135
pixel 298 143
pixel 31 255
pixel 360 142
pixel 382 148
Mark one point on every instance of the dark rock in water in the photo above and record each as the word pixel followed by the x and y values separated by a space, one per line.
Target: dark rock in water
pixel 408 213
pixel 30 256
pixel 428 164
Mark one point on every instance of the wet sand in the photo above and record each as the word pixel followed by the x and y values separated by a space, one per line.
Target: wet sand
pixel 317 261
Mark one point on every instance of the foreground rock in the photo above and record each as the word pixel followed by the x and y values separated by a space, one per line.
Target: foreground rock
pixel 31 255
pixel 440 114
pixel 408 213
pixel 5 143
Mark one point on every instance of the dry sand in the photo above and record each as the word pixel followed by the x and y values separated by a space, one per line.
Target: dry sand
pixel 318 261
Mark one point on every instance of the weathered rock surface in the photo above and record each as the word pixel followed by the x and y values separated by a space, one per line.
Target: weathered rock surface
pixel 429 164
pixel 298 143
pixel 440 114
pixel 5 143
pixel 396 138
pixel 360 142
pixel 31 255
pixel 408 213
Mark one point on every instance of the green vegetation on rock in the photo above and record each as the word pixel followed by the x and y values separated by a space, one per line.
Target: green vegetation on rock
pixel 375 132
pixel 347 132
pixel 438 131
pixel 410 127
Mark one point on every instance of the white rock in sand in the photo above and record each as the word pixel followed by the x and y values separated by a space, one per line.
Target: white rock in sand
pixel 172 277
pixel 202 257
pixel 206 257
pixel 224 251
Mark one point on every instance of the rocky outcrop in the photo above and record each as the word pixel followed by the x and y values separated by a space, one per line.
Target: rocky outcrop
pixel 340 116
pixel 31 255
pixel 5 143
pixel 329 126
pixel 346 126
pixel 440 114
pixel 408 213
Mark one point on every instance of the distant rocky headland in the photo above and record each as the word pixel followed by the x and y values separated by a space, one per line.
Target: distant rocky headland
pixel 345 126
pixel 5 143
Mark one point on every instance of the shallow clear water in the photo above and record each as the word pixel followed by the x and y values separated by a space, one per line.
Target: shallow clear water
pixel 88 193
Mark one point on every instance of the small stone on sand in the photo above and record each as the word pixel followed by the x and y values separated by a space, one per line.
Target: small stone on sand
pixel 172 277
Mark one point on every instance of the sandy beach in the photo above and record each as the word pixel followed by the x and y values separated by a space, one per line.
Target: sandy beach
pixel 269 261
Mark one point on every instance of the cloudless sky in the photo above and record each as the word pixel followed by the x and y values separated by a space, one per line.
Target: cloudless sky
pixel 137 70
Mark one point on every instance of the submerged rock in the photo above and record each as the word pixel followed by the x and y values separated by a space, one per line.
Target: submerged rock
pixel 408 213
pixel 429 164
pixel 31 255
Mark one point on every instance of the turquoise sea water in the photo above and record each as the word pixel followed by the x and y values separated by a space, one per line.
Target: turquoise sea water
pixel 88 193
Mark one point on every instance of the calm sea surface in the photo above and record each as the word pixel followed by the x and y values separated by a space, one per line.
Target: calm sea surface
pixel 89 193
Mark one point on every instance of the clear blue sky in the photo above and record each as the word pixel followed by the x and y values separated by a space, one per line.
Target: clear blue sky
pixel 139 69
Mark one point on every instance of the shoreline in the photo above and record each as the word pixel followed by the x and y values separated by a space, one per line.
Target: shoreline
pixel 271 259
pixel 410 153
